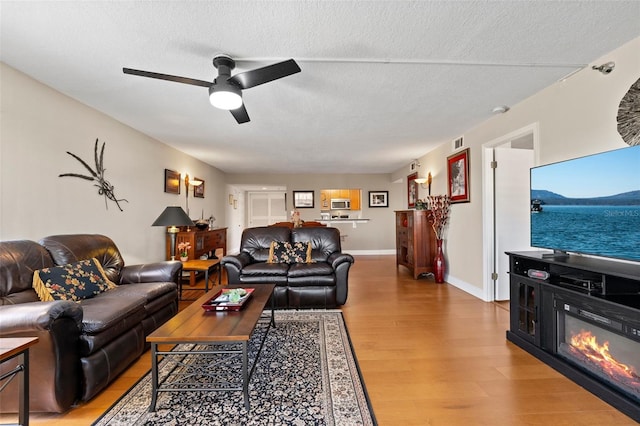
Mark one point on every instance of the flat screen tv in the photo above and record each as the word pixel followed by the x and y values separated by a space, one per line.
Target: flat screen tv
pixel 588 205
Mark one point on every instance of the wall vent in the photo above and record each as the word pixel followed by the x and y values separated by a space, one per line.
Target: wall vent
pixel 458 143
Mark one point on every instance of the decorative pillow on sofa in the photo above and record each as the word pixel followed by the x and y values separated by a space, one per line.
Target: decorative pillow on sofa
pixel 285 252
pixel 300 252
pixel 278 252
pixel 75 281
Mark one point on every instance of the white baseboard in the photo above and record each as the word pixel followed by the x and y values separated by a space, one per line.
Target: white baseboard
pixel 466 287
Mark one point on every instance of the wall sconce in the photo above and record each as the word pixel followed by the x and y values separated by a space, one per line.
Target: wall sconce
pixel 423 180
pixel 187 182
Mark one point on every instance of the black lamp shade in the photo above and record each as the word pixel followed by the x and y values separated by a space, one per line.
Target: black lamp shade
pixel 173 216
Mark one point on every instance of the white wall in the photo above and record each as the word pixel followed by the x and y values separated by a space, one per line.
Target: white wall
pixel 576 117
pixel 38 126
pixel 378 235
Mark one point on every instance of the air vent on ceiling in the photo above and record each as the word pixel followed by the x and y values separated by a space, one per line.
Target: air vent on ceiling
pixel 458 143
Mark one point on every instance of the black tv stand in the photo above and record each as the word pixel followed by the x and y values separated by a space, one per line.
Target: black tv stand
pixel 602 293
pixel 557 254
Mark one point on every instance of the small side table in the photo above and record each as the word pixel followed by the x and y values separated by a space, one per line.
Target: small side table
pixel 11 347
pixel 205 266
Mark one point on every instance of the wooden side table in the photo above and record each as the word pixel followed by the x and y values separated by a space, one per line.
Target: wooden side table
pixel 11 347
pixel 205 266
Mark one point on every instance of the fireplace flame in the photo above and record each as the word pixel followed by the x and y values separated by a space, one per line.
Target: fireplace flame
pixel 587 344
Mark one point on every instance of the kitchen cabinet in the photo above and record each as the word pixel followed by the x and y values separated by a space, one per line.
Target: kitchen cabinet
pixel 325 197
pixel 354 195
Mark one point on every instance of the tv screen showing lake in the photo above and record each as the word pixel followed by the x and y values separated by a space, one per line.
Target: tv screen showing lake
pixel 611 231
pixel 589 205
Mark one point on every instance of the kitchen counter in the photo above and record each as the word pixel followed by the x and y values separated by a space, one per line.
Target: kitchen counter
pixel 354 221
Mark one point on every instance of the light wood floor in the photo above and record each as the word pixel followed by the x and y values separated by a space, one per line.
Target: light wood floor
pixel 430 354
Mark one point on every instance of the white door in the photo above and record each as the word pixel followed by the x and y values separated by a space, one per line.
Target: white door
pixel 512 212
pixel 266 208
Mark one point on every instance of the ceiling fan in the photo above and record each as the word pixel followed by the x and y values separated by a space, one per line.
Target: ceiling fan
pixel 225 92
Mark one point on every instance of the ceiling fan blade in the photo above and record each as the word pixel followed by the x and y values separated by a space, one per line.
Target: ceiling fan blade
pixel 266 74
pixel 240 114
pixel 167 77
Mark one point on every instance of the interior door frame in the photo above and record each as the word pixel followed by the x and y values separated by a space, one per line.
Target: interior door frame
pixel 488 211
pixel 236 210
pixel 269 196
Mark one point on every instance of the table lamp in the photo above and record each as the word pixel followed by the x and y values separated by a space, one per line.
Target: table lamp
pixel 173 217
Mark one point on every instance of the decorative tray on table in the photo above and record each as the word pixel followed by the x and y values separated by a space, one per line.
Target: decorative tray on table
pixel 228 299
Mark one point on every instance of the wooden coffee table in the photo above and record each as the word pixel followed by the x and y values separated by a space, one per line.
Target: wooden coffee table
pixel 230 330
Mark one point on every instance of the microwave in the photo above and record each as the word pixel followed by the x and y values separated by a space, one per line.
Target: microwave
pixel 340 204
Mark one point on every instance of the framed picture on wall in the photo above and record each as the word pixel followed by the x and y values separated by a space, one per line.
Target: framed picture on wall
pixel 171 181
pixel 378 198
pixel 458 176
pixel 303 200
pixel 198 191
pixel 412 190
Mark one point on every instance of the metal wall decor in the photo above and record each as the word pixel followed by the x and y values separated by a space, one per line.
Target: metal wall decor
pixel 629 115
pixel 97 175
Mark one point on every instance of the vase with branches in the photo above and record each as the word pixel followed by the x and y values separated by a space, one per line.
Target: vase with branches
pixel 439 206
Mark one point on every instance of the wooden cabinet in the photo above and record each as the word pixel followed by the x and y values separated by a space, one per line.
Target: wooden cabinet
pixel 415 241
pixel 339 193
pixel 325 198
pixel 354 195
pixel 202 242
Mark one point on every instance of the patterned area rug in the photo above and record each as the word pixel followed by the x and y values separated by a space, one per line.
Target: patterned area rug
pixel 306 374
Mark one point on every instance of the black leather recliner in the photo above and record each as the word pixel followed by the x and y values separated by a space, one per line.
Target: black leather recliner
pixel 323 283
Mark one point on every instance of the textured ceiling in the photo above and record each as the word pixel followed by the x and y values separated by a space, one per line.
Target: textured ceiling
pixel 381 82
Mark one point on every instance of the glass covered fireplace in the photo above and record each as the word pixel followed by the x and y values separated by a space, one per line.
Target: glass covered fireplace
pixel 600 341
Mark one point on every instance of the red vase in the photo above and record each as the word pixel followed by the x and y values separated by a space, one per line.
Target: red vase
pixel 439 266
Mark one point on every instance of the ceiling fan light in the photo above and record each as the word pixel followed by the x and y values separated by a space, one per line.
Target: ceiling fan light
pixel 227 97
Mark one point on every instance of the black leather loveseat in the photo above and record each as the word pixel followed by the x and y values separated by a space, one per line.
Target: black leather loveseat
pixel 82 345
pixel 319 281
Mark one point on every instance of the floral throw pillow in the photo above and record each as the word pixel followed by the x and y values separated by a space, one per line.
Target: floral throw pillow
pixel 278 252
pixel 300 252
pixel 285 252
pixel 75 281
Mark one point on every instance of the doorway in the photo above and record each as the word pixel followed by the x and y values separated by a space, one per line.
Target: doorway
pixel 245 210
pixel 266 208
pixel 506 211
